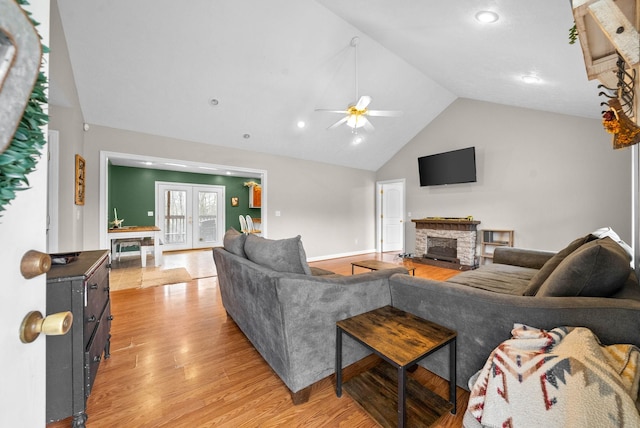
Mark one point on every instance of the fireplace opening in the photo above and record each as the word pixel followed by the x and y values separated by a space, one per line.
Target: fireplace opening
pixel 442 249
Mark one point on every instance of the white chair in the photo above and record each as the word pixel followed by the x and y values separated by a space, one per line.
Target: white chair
pixel 250 227
pixel 243 225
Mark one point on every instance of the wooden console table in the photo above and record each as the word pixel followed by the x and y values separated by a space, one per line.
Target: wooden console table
pixel 401 339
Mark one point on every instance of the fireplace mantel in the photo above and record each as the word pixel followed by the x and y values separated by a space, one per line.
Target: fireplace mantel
pixel 438 223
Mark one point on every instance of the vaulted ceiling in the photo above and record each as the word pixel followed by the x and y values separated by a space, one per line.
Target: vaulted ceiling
pixel 155 66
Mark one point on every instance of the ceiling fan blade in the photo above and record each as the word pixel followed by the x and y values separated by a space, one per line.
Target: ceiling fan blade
pixel 387 113
pixel 367 125
pixel 338 123
pixel 332 111
pixel 363 102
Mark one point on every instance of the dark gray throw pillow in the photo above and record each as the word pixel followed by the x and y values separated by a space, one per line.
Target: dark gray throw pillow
pixel 547 269
pixel 281 255
pixel 233 242
pixel 597 269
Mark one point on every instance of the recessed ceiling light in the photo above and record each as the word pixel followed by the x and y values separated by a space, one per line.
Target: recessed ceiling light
pixel 246 136
pixel 214 102
pixel 301 124
pixel 147 163
pixel 487 17
pixel 176 164
pixel 358 139
pixel 530 78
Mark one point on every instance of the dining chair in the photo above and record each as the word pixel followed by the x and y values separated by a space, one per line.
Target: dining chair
pixel 243 225
pixel 250 226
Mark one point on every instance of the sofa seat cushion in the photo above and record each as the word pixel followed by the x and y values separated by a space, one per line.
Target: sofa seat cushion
pixel 281 255
pixel 597 269
pixel 233 242
pixel 505 279
pixel 551 264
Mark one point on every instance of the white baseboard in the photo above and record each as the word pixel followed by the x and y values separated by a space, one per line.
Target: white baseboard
pixel 337 256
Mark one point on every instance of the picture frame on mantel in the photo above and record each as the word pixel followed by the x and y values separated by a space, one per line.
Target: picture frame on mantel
pixel 80 180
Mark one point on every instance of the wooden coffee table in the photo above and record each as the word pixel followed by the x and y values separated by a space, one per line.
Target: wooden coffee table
pixel 401 339
pixel 378 265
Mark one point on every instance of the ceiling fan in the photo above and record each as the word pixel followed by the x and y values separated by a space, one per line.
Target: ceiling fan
pixel 356 114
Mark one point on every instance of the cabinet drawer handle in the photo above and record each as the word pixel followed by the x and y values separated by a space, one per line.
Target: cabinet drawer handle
pixel 96 358
pixel 92 318
pixel 110 317
pixel 94 286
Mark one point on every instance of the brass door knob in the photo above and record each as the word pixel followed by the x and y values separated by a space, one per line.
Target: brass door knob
pixel 34 263
pixel 53 325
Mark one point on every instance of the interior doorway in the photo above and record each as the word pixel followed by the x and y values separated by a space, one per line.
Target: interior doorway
pixel 190 215
pixel 390 215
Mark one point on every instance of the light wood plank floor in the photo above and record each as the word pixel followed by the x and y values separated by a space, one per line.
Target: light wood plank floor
pixel 178 361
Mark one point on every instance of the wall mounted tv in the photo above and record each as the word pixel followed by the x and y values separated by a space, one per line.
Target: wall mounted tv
pixel 457 166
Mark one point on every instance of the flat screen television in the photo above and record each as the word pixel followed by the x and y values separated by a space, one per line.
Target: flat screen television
pixel 457 166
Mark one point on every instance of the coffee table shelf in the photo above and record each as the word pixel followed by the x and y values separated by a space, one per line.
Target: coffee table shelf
pixel 402 340
pixel 379 265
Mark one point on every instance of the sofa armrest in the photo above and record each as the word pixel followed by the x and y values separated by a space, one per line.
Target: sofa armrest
pixel 533 259
pixel 311 306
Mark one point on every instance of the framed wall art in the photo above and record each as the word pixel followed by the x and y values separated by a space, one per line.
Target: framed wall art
pixel 234 201
pixel 80 180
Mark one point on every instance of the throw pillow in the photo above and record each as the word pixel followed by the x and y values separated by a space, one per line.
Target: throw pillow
pixel 282 255
pixel 597 269
pixel 547 269
pixel 233 242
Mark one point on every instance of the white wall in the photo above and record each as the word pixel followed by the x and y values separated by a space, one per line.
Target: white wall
pixel 66 117
pixel 332 207
pixel 549 177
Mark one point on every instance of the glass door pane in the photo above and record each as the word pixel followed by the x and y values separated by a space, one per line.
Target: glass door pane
pixel 206 232
pixel 175 218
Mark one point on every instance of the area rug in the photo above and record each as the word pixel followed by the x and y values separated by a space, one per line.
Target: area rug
pixel 163 277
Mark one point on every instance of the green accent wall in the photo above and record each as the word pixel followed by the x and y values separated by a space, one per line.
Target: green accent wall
pixel 132 193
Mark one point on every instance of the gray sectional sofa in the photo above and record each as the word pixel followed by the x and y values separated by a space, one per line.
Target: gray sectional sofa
pixel 289 314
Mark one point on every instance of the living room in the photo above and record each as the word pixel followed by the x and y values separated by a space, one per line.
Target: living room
pixel 549 176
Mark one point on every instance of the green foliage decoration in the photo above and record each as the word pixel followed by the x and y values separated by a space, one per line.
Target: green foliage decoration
pixel 22 154
pixel 573 34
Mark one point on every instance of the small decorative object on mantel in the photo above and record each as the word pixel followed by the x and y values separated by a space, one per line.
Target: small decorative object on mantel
pixel 615 121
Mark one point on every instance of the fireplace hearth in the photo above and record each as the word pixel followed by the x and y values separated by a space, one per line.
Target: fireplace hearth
pixel 449 243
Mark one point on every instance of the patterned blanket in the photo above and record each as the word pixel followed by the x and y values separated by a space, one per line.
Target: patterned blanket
pixel 558 378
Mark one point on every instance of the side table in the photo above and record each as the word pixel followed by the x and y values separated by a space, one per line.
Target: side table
pixel 402 340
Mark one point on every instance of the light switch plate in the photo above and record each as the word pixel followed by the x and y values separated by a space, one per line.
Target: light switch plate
pixel 150 213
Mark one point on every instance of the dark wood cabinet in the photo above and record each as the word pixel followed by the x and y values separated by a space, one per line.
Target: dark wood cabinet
pixel 82 287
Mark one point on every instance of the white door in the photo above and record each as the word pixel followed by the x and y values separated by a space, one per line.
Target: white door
pixel 190 216
pixel 391 202
pixel 23 228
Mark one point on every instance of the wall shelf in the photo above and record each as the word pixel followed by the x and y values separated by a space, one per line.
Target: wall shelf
pixel 492 238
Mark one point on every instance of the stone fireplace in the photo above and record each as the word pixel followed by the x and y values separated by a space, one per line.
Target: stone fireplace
pixel 447 243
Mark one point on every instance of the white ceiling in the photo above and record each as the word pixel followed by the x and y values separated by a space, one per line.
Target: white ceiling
pixel 153 66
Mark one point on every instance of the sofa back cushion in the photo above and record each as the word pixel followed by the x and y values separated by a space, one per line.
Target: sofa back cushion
pixel 596 269
pixel 551 264
pixel 233 242
pixel 281 255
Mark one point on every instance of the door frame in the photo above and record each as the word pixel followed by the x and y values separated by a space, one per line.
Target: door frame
pixel 379 202
pixel 163 163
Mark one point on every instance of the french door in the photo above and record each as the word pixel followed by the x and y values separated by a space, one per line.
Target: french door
pixel 190 215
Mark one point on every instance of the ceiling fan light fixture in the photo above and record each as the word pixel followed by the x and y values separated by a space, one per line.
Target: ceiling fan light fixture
pixel 487 17
pixel 354 121
pixel 531 79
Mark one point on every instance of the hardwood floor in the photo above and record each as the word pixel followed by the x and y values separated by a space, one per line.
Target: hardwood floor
pixel 178 361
